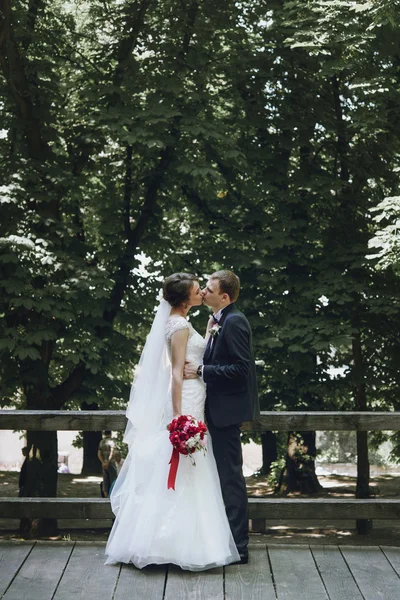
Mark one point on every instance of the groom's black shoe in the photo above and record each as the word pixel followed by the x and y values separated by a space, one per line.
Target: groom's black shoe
pixel 243 559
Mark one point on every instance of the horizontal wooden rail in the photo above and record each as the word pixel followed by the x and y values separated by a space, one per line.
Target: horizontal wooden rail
pixel 259 508
pixel 268 421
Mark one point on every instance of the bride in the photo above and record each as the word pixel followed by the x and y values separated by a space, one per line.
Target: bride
pixel 186 526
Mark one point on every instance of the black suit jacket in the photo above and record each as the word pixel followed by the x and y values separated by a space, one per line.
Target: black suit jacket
pixel 230 373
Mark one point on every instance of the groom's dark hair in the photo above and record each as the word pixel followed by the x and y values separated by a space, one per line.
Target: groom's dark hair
pixel 229 283
pixel 176 288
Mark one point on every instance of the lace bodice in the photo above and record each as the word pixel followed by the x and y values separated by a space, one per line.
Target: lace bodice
pixel 196 344
pixel 193 390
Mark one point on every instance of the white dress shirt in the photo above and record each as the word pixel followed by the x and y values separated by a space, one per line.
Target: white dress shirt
pixel 218 314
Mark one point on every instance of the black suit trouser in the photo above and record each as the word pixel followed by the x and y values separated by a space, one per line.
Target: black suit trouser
pixel 228 456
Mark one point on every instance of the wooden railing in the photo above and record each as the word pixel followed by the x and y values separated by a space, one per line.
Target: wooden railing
pixel 271 508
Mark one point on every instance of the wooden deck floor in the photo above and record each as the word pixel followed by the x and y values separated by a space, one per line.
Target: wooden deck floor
pixel 74 571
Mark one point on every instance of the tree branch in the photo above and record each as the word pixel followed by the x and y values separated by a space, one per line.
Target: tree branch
pixel 133 24
pixel 124 265
pixel 153 183
pixel 33 10
pixel 128 191
pixel 342 142
pixel 62 392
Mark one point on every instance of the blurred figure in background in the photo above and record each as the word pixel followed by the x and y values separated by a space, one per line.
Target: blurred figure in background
pixel 105 455
pixel 119 461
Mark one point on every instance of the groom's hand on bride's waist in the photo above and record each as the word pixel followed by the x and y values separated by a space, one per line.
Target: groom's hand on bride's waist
pixel 190 370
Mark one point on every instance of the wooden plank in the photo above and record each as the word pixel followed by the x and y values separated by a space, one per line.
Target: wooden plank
pixel 201 585
pixel 295 573
pixel 58 420
pixel 268 420
pixel 324 508
pixel 12 556
pixel 259 508
pixel 146 583
pixel 392 553
pixel 335 573
pixel 324 421
pixel 86 576
pixel 254 580
pixel 42 570
pixel 65 508
pixel 373 572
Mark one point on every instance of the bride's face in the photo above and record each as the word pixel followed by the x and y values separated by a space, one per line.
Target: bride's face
pixel 196 297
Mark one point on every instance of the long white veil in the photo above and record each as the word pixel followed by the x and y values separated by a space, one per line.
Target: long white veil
pixel 150 386
pixel 147 403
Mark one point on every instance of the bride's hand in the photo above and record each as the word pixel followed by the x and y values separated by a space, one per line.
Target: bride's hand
pixel 190 370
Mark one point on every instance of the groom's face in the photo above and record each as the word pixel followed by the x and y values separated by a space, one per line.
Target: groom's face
pixel 212 295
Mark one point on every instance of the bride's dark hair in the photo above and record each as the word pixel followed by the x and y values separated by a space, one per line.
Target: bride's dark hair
pixel 176 288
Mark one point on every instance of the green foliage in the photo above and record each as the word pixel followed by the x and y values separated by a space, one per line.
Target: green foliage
pixel 275 473
pixel 165 136
pixel 386 241
pixel 98 176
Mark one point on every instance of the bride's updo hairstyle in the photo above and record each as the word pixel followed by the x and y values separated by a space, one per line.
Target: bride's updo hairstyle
pixel 176 288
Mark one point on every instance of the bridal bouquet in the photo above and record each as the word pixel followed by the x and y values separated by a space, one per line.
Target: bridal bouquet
pixel 187 435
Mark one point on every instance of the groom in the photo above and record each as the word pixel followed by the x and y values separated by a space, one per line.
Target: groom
pixel 228 369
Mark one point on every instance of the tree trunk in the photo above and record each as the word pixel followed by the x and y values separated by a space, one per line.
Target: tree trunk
pixel 91 439
pixel 363 526
pixel 269 451
pixel 350 210
pixel 299 472
pixel 42 465
pixel 91 464
pixel 41 480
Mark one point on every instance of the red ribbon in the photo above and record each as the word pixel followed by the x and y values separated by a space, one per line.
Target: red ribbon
pixel 174 462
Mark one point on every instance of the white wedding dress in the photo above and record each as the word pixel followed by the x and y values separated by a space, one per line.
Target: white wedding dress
pixel 186 526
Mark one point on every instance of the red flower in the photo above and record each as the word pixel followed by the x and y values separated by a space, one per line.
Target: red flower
pixel 182 430
pixel 182 435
